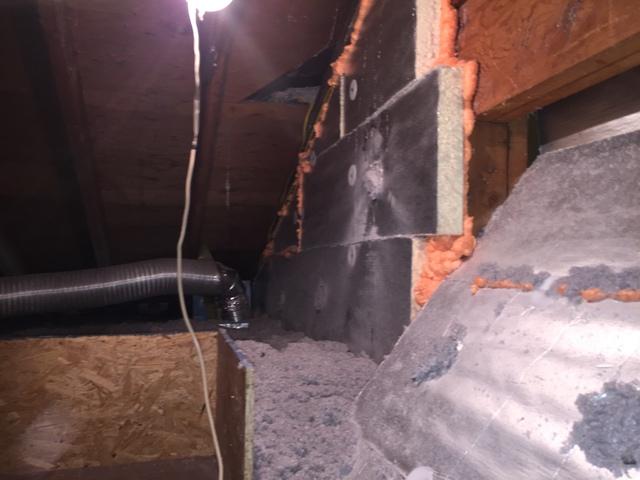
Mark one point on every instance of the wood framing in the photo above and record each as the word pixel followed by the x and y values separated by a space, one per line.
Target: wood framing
pixel 532 54
pixel 213 81
pixel 234 409
pixel 500 157
pixel 488 170
pixel 519 149
pixel 68 87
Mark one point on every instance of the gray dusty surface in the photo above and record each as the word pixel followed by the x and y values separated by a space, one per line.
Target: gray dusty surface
pixel 304 401
pixel 537 386
pixel 601 277
pixel 609 432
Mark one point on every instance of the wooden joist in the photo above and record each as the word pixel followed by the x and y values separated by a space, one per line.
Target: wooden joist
pixel 234 409
pixel 532 54
pixel 45 166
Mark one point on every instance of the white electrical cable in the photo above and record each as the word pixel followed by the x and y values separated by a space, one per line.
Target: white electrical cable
pixel 183 231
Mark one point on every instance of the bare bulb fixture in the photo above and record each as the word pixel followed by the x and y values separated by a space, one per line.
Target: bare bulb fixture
pixel 203 6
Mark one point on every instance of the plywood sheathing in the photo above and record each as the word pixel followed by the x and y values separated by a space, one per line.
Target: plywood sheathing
pixel 97 401
pixel 35 168
pixel 444 254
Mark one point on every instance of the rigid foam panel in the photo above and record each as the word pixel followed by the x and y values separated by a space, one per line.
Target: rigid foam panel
pixel 398 174
pixel 359 294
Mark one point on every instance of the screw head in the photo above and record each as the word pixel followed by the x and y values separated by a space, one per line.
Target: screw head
pixel 351 175
pixel 352 255
pixel 353 89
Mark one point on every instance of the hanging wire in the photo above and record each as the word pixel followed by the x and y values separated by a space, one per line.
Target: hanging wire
pixel 183 231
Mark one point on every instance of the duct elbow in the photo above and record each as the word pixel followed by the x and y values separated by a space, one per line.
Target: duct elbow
pixel 233 305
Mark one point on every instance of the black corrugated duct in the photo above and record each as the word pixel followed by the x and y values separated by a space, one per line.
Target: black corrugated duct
pixel 99 287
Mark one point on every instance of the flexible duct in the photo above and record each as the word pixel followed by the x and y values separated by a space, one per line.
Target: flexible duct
pixel 52 292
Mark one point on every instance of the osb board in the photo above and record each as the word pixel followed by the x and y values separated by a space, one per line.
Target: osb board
pixel 234 410
pixel 197 468
pixel 96 401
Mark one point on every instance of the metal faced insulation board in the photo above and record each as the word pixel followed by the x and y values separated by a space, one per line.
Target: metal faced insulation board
pixel 400 173
pixel 360 294
pixel 507 384
pixel 384 60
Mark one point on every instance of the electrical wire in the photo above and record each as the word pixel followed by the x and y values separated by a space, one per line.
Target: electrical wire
pixel 183 232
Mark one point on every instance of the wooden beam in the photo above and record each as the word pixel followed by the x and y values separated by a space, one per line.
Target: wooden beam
pixel 10 263
pixel 215 38
pixel 33 50
pixel 234 409
pixel 532 54
pixel 68 89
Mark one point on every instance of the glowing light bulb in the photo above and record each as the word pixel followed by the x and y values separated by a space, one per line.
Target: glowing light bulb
pixel 209 5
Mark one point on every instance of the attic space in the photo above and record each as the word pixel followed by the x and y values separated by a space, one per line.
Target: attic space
pixel 320 239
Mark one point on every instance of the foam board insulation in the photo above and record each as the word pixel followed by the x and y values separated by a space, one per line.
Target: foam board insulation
pixel 393 43
pixel 400 173
pixel 525 382
pixel 360 293
pixel 386 166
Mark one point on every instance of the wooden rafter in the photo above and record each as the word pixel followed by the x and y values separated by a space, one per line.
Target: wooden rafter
pixel 70 98
pixel 215 47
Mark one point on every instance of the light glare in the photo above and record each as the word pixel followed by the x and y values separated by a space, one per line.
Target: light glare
pixel 209 5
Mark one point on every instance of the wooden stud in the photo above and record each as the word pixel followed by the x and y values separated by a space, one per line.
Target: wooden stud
pixel 213 88
pixel 488 171
pixel 518 151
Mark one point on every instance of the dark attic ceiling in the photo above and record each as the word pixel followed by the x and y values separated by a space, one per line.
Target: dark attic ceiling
pixel 96 125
